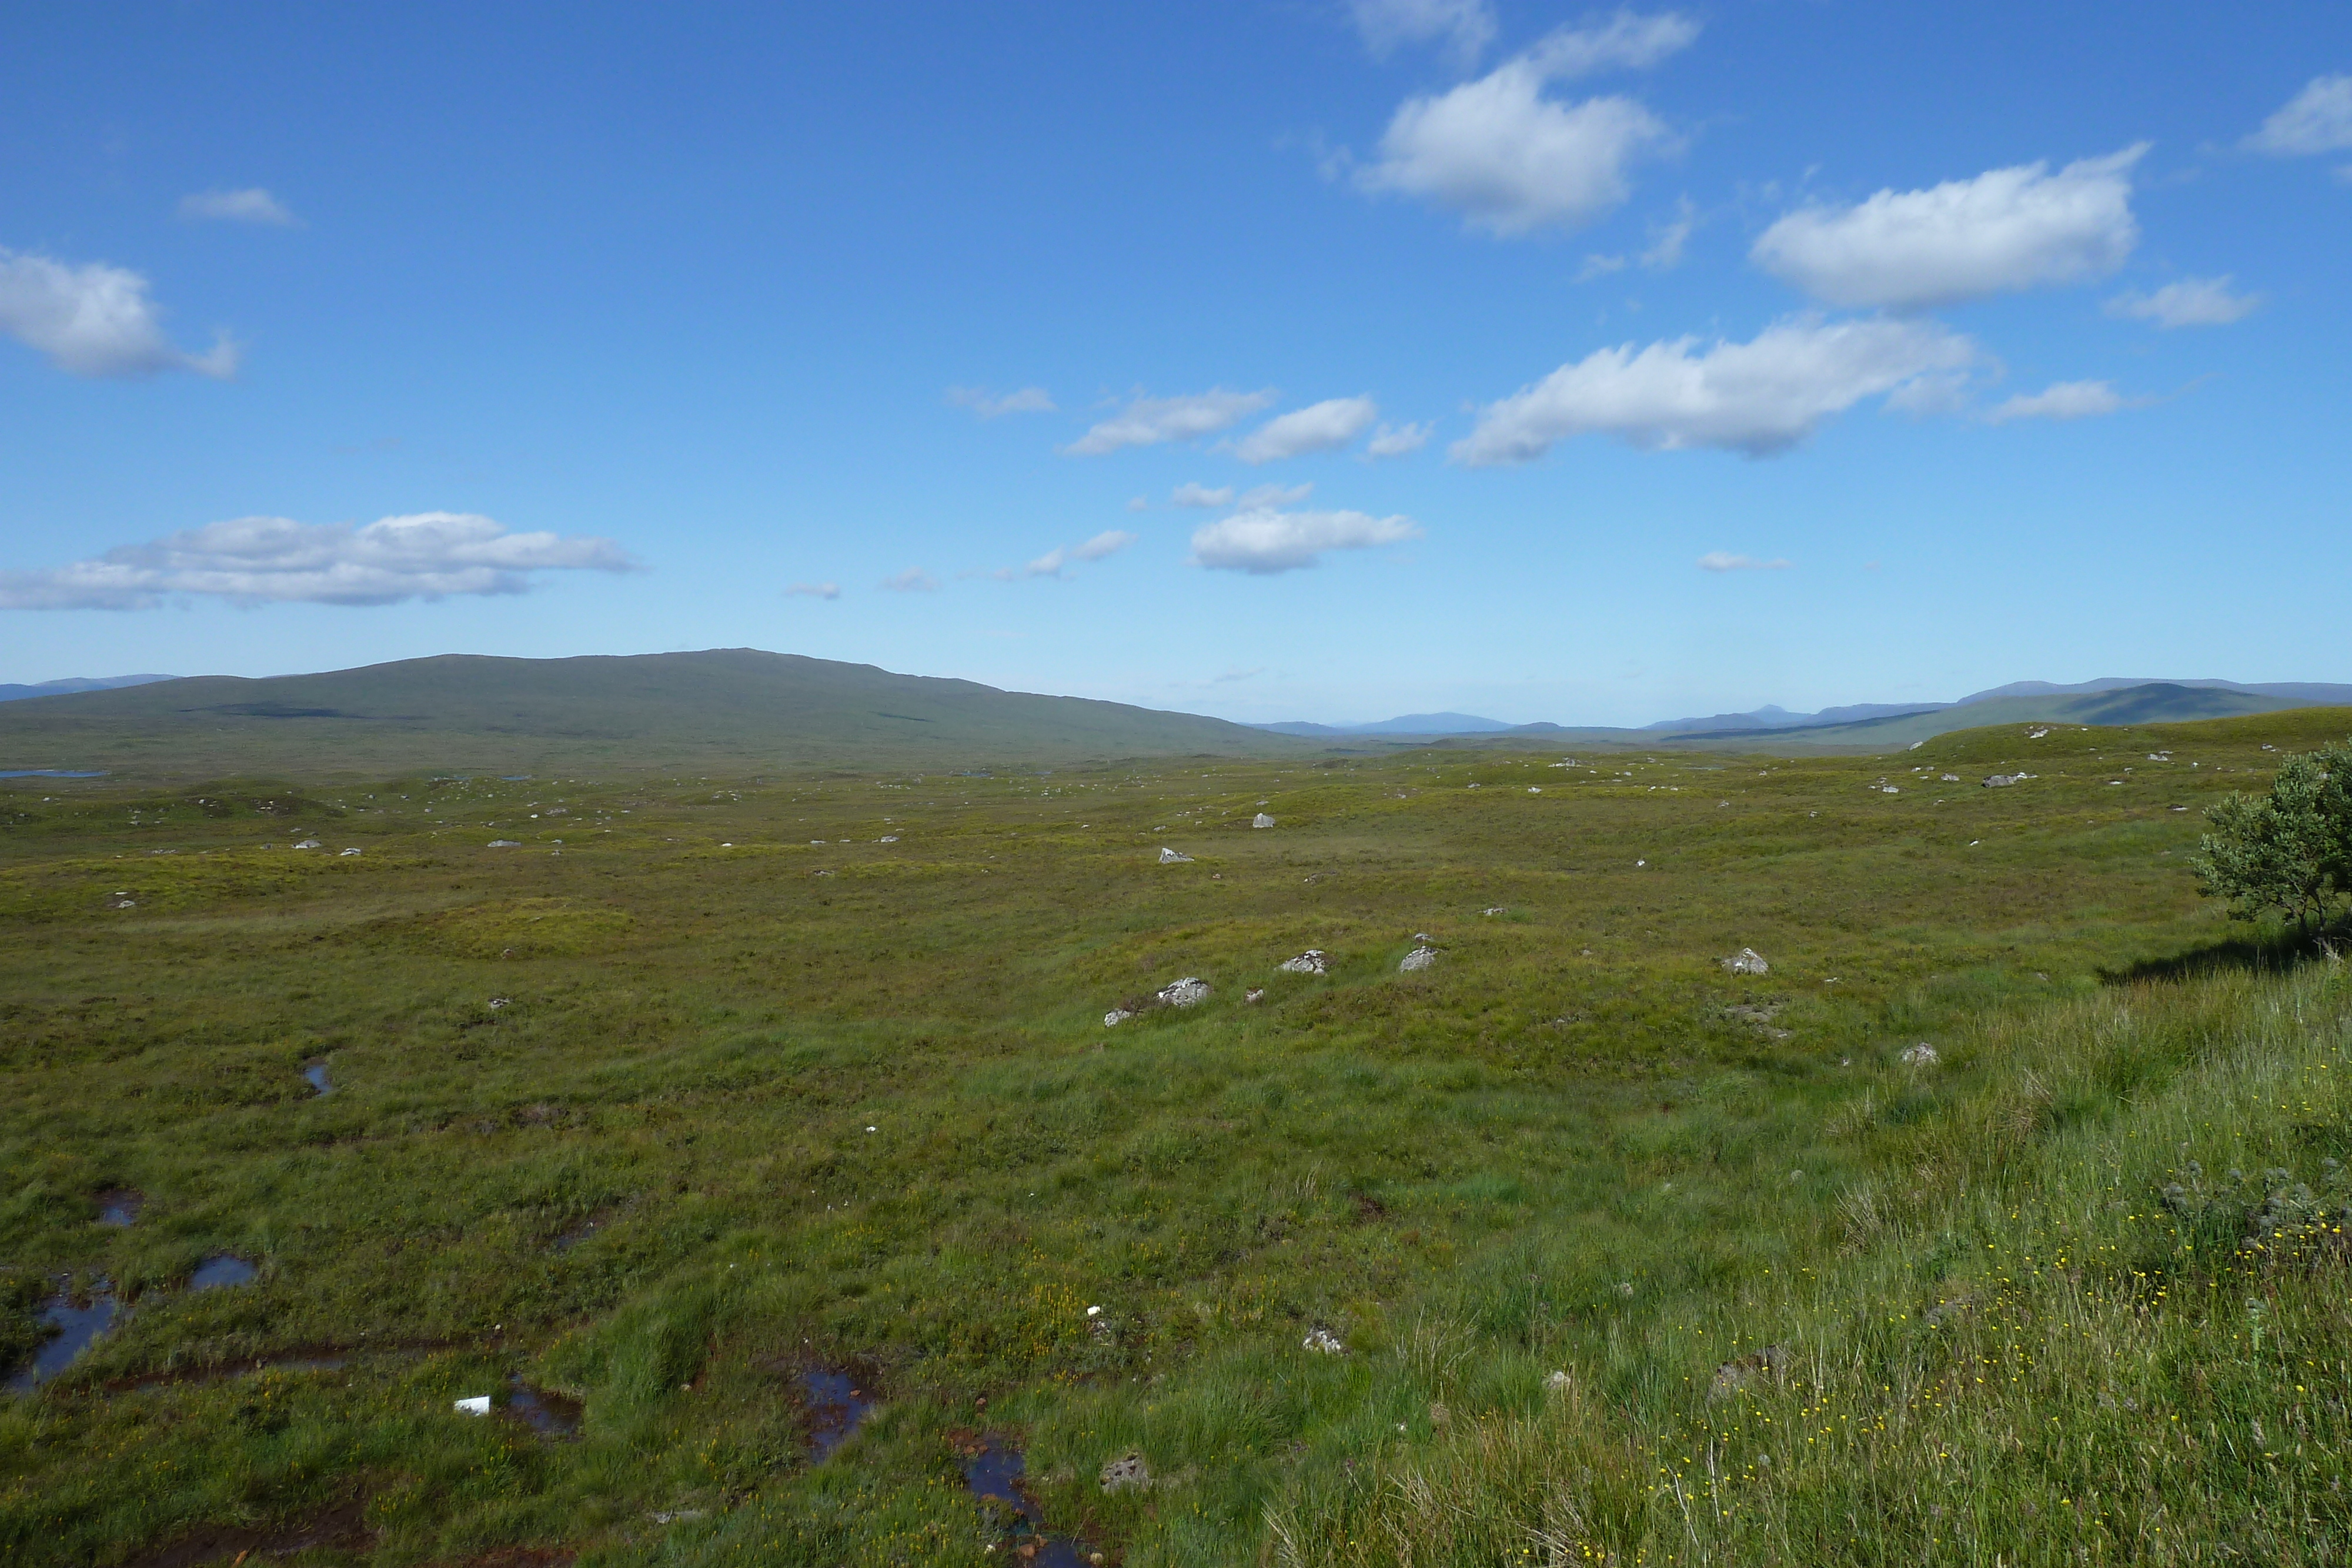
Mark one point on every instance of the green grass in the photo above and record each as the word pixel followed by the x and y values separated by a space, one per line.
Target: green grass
pixel 1556 1151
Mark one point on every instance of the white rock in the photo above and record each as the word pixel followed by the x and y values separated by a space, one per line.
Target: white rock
pixel 1311 962
pixel 480 1405
pixel 1261 821
pixel 1324 1341
pixel 1116 1017
pixel 1254 994
pixel 307 844
pixel 495 843
pixel 1920 1055
pixel 1559 1382
pixel 1747 961
pixel 1169 857
pixel 1419 958
pixel 1495 909
pixel 887 839
pixel 1185 992
pixel 347 852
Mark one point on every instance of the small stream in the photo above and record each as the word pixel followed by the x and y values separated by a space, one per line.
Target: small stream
pixel 993 1468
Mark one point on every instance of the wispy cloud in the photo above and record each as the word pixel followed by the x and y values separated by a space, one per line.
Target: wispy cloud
pixel 1192 494
pixel 2316 119
pixel 1265 542
pixel 1509 157
pixel 2062 400
pixel 263 561
pixel 1319 427
pixel 989 405
pixel 814 589
pixel 95 321
pixel 1759 397
pixel 2191 302
pixel 1053 562
pixel 251 205
pixel 914 580
pixel 2003 231
pixel 1720 561
pixel 1150 421
pixel 1397 440
pixel 1238 675
pixel 1466 27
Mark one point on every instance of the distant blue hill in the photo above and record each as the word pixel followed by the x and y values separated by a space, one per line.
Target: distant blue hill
pixel 1403 724
pixel 11 691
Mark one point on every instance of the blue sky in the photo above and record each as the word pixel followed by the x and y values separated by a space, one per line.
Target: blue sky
pixel 1527 359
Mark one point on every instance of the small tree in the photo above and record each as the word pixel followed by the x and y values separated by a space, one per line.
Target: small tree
pixel 2289 849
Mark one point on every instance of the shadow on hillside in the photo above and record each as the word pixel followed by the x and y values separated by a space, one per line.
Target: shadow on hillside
pixel 2278 951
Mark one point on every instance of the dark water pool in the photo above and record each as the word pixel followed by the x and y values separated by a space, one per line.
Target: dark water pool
pixel 993 1468
pixel 220 1272
pixel 48 773
pixel 836 1402
pixel 548 1414
pixel 119 1205
pixel 76 1326
pixel 317 1073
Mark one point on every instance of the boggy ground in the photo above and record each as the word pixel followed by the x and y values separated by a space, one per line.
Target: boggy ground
pixel 703 1084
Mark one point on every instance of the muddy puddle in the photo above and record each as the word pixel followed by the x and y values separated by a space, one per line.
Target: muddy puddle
pixel 836 1403
pixel 583 1230
pixel 552 1416
pixel 316 1073
pixel 221 1271
pixel 77 1326
pixel 993 1468
pixel 344 1525
pixel 119 1205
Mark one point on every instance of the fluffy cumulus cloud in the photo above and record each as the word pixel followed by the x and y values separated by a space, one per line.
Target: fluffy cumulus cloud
pixel 2191 302
pixel 1150 421
pixel 1465 26
pixel 2007 229
pixel 263 561
pixel 2316 119
pixel 1397 440
pixel 2062 400
pixel 1319 427
pixel 1053 561
pixel 989 405
pixel 95 321
pixel 1723 560
pixel 914 580
pixel 1266 541
pixel 1759 397
pixel 251 205
pixel 1511 157
pixel 814 590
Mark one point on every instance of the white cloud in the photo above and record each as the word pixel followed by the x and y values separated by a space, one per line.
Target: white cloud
pixel 1258 498
pixel 1148 420
pixel 1190 494
pixel 1720 561
pixel 1598 267
pixel 1319 427
pixel 914 580
pixel 2316 119
pixel 95 321
pixel 2007 229
pixel 814 589
pixel 1511 159
pixel 1467 27
pixel 1264 542
pixel 253 205
pixel 1137 504
pixel 988 405
pixel 1238 675
pixel 1108 542
pixel 2062 400
pixel 2191 302
pixel 1667 240
pixel 1757 397
pixel 262 560
pixel 1396 440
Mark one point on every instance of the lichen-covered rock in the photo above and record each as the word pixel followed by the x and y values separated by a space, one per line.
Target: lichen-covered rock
pixel 1261 821
pixel 1324 1342
pixel 1921 1055
pixel 1184 993
pixel 1169 857
pixel 1116 1017
pixel 1747 961
pixel 1314 961
pixel 1128 1471
pixel 1419 958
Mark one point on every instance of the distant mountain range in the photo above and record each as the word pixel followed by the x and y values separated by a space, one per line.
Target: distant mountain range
pixel 10 692
pixel 2151 701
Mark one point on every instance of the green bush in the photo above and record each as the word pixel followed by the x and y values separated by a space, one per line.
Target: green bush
pixel 2289 851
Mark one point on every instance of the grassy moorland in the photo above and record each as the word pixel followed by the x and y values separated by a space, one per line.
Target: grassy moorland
pixel 707 1082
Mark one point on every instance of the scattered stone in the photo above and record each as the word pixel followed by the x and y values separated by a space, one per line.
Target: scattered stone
pixel 347 852
pixel 495 843
pixel 498 1002
pixel 1419 958
pixel 1323 1340
pixel 480 1405
pixel 1128 1471
pixel 2003 780
pixel 1559 1382
pixel 1737 1373
pixel 1116 1017
pixel 118 902
pixel 307 844
pixel 1495 909
pixel 1314 961
pixel 1921 1055
pixel 1261 821
pixel 1184 993
pixel 887 839
pixel 1253 993
pixel 1169 857
pixel 1746 961
pixel 1951 778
